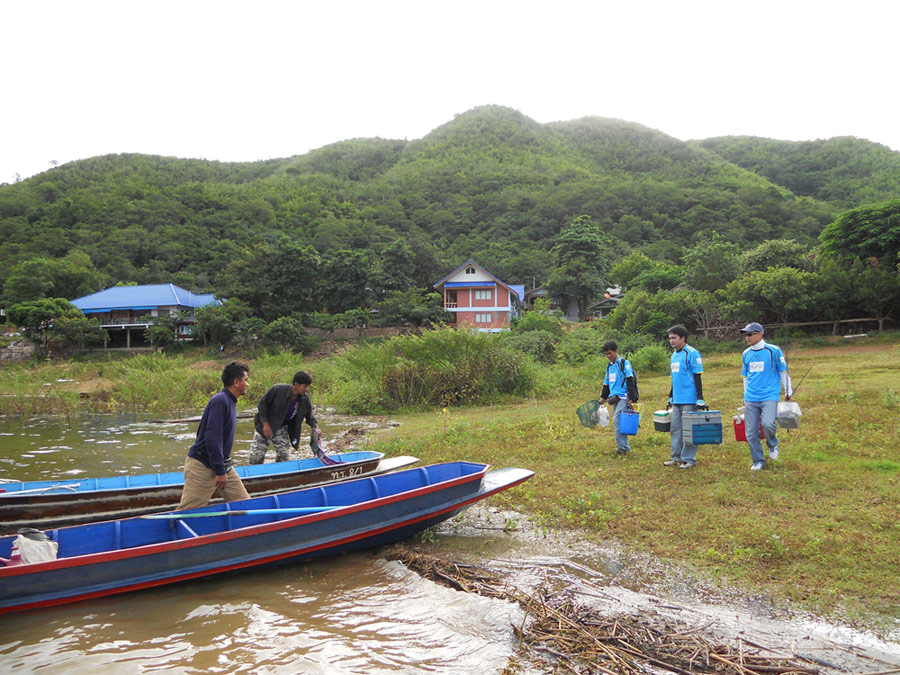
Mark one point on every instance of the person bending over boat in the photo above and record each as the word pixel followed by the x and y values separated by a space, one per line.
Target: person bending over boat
pixel 208 466
pixel 280 414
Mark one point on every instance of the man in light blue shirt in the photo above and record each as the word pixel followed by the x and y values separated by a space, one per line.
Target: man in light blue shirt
pixel 765 371
pixel 619 389
pixel 686 394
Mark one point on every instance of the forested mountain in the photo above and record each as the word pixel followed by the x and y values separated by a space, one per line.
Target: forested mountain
pixel 491 184
pixel 847 171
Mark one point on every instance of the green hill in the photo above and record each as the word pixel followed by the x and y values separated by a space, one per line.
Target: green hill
pixel 847 171
pixel 491 184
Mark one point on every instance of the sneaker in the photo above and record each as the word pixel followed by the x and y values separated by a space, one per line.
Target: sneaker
pixel 686 465
pixel 671 462
pixel 623 451
pixel 758 466
pixel 773 454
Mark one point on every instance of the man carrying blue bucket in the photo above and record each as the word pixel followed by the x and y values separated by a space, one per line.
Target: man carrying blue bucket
pixel 619 387
pixel 765 371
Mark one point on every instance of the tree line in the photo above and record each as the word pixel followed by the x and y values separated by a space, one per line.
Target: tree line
pixel 371 224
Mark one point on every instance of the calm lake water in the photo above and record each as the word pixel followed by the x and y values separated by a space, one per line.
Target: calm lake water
pixel 351 614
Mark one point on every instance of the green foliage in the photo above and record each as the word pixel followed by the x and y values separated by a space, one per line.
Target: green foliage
pixel 162 333
pixel 642 312
pixel 540 319
pixel 540 345
pixel 288 334
pixel 36 318
pixel 778 294
pixel 72 276
pixel 412 307
pixel 219 324
pixel 637 271
pixel 711 263
pixel 583 261
pixel 343 227
pixel 441 367
pixel 847 171
pixel 777 253
pixel 580 345
pixel 161 336
pixel 866 232
pixel 73 329
pixel 651 358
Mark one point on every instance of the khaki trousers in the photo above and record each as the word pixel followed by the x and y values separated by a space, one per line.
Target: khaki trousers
pixel 200 485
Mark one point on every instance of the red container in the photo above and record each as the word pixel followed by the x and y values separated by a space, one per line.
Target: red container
pixel 740 432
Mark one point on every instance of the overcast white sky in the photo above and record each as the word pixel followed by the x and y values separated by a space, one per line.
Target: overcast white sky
pixel 239 81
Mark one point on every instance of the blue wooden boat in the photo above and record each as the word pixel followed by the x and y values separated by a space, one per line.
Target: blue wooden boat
pixel 118 556
pixel 44 504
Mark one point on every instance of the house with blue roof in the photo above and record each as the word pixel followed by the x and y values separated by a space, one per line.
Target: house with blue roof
pixel 480 300
pixel 127 311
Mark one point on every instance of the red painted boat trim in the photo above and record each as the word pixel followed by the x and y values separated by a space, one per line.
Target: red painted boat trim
pixel 151 549
pixel 268 559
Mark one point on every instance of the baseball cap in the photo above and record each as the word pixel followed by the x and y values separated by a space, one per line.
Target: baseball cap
pixel 753 327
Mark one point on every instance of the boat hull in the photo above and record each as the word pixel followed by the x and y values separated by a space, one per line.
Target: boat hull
pixel 366 512
pixel 67 505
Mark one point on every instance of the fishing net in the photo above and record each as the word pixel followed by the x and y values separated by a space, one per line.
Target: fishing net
pixel 591 413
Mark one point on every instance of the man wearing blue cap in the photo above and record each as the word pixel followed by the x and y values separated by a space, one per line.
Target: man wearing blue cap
pixel 765 371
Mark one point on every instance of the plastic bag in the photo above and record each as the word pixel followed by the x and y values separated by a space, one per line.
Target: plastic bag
pixel 34 547
pixel 602 416
pixel 589 414
pixel 788 414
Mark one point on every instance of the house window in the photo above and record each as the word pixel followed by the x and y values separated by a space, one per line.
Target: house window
pixel 470 270
pixel 483 318
pixel 482 295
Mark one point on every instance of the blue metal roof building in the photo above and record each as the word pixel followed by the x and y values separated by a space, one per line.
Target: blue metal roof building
pixel 128 310
pixel 142 298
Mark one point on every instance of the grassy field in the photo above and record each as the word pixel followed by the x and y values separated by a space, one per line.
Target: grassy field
pixel 821 526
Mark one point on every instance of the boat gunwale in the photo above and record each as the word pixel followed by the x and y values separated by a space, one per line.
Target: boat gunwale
pixel 483 493
pixel 31 497
pixel 238 532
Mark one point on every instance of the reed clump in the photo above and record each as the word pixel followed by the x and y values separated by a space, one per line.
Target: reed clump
pixel 438 368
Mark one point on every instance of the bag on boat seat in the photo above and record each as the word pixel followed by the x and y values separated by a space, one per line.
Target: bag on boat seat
pixel 33 546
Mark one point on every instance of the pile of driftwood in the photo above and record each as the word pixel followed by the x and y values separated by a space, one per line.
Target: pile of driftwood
pixel 568 636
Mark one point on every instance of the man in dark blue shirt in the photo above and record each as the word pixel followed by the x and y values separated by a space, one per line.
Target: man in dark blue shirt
pixel 208 467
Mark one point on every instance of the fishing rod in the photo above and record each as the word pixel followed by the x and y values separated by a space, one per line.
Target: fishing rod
pixel 801 380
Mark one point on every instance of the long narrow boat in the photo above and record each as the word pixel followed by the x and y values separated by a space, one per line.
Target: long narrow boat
pixel 118 556
pixel 44 504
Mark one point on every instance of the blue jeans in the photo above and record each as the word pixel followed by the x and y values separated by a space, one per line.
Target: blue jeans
pixel 753 411
pixel 680 451
pixel 622 444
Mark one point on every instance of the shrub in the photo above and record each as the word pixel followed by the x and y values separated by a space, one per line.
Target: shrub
pixel 287 333
pixel 581 345
pixel 652 358
pixel 538 344
pixel 440 367
pixel 538 321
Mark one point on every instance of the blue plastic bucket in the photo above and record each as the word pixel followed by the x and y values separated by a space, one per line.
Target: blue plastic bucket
pixel 628 422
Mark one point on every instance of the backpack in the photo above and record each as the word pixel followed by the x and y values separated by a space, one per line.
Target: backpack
pixel 621 363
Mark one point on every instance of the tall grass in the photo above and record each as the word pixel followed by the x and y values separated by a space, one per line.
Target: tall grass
pixel 438 368
pixel 821 526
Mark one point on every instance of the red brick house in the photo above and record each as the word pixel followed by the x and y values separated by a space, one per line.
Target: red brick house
pixel 479 300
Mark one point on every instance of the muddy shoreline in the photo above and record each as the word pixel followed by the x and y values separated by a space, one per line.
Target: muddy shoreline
pixel 614 582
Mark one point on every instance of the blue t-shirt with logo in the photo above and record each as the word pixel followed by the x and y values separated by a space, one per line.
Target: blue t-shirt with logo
pixel 763 368
pixel 614 377
pixel 684 365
